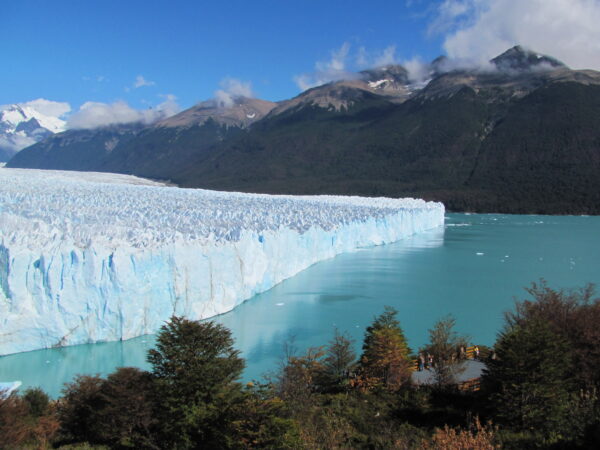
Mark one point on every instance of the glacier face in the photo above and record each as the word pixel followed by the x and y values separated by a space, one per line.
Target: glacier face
pixel 87 257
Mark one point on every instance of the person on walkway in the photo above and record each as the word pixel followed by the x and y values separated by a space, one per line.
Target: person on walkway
pixel 476 351
pixel 421 362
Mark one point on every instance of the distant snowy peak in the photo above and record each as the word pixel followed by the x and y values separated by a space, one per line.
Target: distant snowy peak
pixel 22 126
pixel 14 115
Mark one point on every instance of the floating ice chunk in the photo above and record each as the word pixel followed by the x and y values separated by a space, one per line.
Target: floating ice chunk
pixel 480 253
pixel 7 388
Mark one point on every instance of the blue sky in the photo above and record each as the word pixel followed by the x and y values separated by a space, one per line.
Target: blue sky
pixel 78 51
pixel 81 51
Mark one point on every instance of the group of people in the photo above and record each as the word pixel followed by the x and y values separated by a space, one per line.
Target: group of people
pixel 427 361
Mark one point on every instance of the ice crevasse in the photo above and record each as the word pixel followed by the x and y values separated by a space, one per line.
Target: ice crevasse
pixel 88 257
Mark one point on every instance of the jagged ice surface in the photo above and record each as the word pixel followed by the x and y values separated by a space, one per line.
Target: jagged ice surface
pixel 87 257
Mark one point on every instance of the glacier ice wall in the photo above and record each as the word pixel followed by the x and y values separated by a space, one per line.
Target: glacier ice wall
pixel 87 257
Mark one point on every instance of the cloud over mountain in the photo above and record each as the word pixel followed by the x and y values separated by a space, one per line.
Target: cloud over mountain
pixel 231 88
pixel 48 107
pixel 325 71
pixel 97 114
pixel 477 30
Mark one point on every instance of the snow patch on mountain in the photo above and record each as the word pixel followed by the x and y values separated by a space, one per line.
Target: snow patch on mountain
pixel 24 124
pixel 87 257
pixel 376 84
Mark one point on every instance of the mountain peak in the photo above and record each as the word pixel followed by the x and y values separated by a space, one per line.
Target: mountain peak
pixel 22 125
pixel 393 73
pixel 240 112
pixel 520 59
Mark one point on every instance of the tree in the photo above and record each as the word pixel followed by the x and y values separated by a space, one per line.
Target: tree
pixel 261 423
pixel 300 376
pixel 126 417
pixel 195 368
pixel 528 381
pixel 78 408
pixel 37 401
pixel 575 315
pixel 385 351
pixel 14 432
pixel 338 360
pixel 26 423
pixel 444 344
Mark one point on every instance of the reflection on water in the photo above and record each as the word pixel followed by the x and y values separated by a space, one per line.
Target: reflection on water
pixel 472 269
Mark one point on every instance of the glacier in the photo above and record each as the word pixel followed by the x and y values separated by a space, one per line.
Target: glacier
pixel 89 257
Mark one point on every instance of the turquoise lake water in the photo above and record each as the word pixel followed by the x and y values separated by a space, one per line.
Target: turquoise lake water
pixel 474 269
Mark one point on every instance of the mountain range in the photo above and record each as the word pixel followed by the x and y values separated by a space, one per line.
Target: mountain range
pixel 22 126
pixel 519 136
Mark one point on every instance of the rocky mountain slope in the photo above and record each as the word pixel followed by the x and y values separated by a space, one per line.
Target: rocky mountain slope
pixel 518 136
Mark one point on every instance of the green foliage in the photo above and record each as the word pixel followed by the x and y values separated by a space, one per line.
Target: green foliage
pixel 385 357
pixel 77 409
pixel 338 361
pixel 556 334
pixel 118 411
pixel 575 315
pixel 261 423
pixel 192 399
pixel 356 420
pixel 195 368
pixel 125 418
pixel 300 377
pixel 528 383
pixel 444 345
pixel 38 402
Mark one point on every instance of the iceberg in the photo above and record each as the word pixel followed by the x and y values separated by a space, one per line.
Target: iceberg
pixel 89 257
pixel 7 388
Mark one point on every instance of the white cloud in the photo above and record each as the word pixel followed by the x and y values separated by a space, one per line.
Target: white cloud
pixel 98 78
pixel 96 114
pixel 386 57
pixel 140 81
pixel 168 107
pixel 232 88
pixel 333 69
pixel 362 58
pixel 343 65
pixel 478 30
pixel 417 70
pixel 48 107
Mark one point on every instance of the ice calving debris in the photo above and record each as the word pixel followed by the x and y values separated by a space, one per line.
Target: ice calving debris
pixel 87 257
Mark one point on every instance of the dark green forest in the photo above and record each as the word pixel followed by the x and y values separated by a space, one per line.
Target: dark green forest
pixel 539 390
